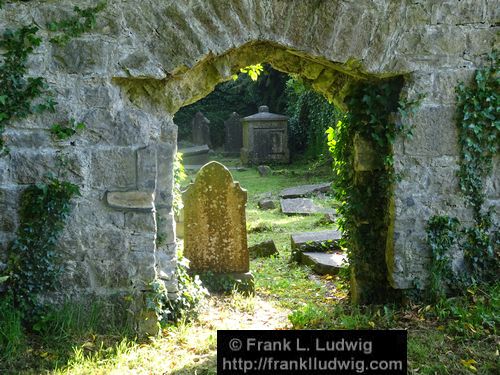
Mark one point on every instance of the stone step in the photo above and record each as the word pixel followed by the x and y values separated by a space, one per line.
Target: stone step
pixel 314 241
pixel 302 206
pixel 305 190
pixel 324 263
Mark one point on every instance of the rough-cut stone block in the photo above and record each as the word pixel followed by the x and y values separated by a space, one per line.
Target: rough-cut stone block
pixel 365 156
pixel 165 226
pixel 9 203
pixel 85 55
pixel 266 204
pixel 165 156
pixel 305 190
pixel 113 168
pixel 432 133
pixel 140 221
pixel 139 200
pixel 146 168
pixel 27 138
pixel 30 166
pixel 142 242
pixel 301 206
pixel 263 249
pixel 324 263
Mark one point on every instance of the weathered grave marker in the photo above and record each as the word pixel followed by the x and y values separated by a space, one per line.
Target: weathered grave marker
pixel 234 134
pixel 215 237
pixel 200 129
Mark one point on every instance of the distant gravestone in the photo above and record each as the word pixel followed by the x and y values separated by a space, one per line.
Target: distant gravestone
pixel 234 134
pixel 200 129
pixel 264 170
pixel 215 235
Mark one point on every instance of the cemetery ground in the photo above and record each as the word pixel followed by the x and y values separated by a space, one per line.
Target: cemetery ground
pixel 455 336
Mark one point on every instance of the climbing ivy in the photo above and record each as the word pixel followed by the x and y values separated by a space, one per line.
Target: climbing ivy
pixel 65 130
pixel 479 140
pixel 83 21
pixel 310 115
pixel 33 257
pixel 18 92
pixel 184 306
pixel 365 196
pixel 442 234
pixel 33 260
pixel 479 137
pixel 479 131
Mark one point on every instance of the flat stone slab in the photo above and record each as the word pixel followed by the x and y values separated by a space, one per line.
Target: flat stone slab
pixel 139 200
pixel 324 263
pixel 197 155
pixel 314 241
pixel 301 206
pixel 305 190
pixel 195 150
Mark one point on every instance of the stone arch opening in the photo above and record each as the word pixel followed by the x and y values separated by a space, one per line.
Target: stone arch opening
pixel 333 80
pixel 129 75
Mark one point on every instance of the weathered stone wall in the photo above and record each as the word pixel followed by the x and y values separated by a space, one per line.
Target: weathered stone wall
pixel 144 60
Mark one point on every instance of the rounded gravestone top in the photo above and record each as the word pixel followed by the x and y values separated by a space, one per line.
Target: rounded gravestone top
pixel 265 115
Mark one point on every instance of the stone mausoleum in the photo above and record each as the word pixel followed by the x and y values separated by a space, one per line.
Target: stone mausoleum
pixel 265 138
pixel 127 77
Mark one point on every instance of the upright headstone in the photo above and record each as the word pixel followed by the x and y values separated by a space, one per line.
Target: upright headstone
pixel 234 134
pixel 200 129
pixel 215 235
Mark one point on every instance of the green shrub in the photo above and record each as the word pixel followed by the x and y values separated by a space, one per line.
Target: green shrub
pixel 310 115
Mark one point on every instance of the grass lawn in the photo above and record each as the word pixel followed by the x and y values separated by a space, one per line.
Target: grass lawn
pixel 458 336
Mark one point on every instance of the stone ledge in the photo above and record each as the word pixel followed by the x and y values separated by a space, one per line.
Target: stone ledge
pixel 135 200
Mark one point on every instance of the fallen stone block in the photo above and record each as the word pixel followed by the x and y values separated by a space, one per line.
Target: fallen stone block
pixel 263 249
pixel 314 241
pixel 324 263
pixel 301 206
pixel 305 190
pixel 266 204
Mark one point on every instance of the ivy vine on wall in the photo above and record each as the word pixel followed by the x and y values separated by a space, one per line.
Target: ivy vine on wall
pixel 365 196
pixel 479 140
pixel 18 92
pixel 33 259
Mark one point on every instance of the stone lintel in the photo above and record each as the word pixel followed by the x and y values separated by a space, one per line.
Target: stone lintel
pixel 132 200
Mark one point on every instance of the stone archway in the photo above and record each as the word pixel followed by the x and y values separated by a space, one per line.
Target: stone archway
pixel 141 63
